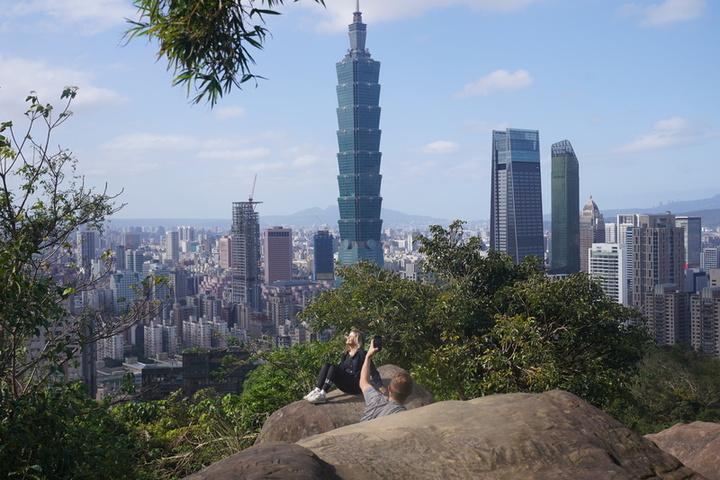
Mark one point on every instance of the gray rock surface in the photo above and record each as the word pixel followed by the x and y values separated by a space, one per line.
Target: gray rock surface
pixel 549 436
pixel 279 460
pixel 697 445
pixel 553 435
pixel 302 419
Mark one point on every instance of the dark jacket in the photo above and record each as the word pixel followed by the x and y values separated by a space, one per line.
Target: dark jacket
pixel 356 364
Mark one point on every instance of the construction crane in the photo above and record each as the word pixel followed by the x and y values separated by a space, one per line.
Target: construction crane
pixel 324 225
pixel 252 192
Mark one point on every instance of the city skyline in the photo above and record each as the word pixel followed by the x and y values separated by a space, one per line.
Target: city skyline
pixel 630 89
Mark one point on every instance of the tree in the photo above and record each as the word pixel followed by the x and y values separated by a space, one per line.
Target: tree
pixel 207 43
pixel 50 428
pixel 42 202
pixel 673 384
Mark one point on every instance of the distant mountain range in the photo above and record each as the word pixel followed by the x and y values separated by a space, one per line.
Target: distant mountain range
pixel 708 209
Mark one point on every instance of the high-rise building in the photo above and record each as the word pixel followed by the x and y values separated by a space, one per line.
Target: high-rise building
pixel 693 239
pixel 658 256
pixel 608 265
pixel 359 155
pixel 705 321
pixel 710 258
pixel 86 250
pixel 668 315
pixel 278 254
pixel 323 266
pixel 225 250
pixel 565 188
pixel 172 246
pixel 516 223
pixel 626 223
pixel 246 255
pixel 134 260
pixel 592 230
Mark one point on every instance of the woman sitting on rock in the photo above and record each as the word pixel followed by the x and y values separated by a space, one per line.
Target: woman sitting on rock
pixel 346 375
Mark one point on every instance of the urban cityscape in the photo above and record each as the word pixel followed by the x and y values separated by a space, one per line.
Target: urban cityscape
pixel 227 286
pixel 160 318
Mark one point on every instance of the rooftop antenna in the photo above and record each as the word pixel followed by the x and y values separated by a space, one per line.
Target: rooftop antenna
pixel 357 5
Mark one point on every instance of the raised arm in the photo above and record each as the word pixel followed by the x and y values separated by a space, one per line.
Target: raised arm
pixel 365 371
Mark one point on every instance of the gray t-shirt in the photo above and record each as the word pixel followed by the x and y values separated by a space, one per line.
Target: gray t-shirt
pixel 378 405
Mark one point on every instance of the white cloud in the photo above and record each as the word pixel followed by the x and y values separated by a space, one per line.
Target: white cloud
pixel 497 81
pixel 249 154
pixel 86 17
pixel 146 141
pixel 19 76
pixel 666 12
pixel 667 134
pixel 339 14
pixel 439 147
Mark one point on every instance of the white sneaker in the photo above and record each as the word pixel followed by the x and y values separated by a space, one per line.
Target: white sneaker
pixel 317 397
pixel 312 392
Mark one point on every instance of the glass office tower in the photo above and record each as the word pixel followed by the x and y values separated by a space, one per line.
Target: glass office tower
pixel 516 223
pixel 565 190
pixel 359 155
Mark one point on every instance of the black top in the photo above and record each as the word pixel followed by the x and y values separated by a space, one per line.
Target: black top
pixel 353 365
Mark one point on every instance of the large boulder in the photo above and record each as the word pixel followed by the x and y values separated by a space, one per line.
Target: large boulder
pixel 697 445
pixel 270 460
pixel 553 435
pixel 302 419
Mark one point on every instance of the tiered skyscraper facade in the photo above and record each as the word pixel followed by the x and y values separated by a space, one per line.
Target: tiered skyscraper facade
pixel 359 155
pixel 516 223
pixel 565 186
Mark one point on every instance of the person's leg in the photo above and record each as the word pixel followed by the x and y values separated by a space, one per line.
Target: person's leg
pixel 320 382
pixel 324 374
pixel 344 381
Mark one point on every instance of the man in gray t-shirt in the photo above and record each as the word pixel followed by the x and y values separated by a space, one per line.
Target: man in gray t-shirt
pixel 377 404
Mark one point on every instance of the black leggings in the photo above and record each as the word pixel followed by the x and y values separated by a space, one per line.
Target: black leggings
pixel 330 374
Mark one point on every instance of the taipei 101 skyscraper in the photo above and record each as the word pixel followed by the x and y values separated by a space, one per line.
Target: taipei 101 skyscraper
pixel 359 155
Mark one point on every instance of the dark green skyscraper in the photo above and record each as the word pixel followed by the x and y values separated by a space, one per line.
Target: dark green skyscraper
pixel 359 155
pixel 565 188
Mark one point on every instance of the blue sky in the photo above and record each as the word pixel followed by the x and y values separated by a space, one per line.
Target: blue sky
pixel 633 86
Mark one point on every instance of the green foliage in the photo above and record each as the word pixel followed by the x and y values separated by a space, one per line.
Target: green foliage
pixel 673 384
pixel 580 332
pixel 60 433
pixel 180 435
pixel 207 43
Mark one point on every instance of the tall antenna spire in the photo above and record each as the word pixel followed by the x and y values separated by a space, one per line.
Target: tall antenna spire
pixel 358 30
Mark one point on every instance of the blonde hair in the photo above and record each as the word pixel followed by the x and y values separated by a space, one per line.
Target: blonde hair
pixel 359 337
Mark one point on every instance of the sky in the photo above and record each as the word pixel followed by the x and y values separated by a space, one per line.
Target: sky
pixel 632 85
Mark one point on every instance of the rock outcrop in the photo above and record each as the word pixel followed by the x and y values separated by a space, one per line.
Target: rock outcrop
pixel 302 419
pixel 697 445
pixel 553 435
